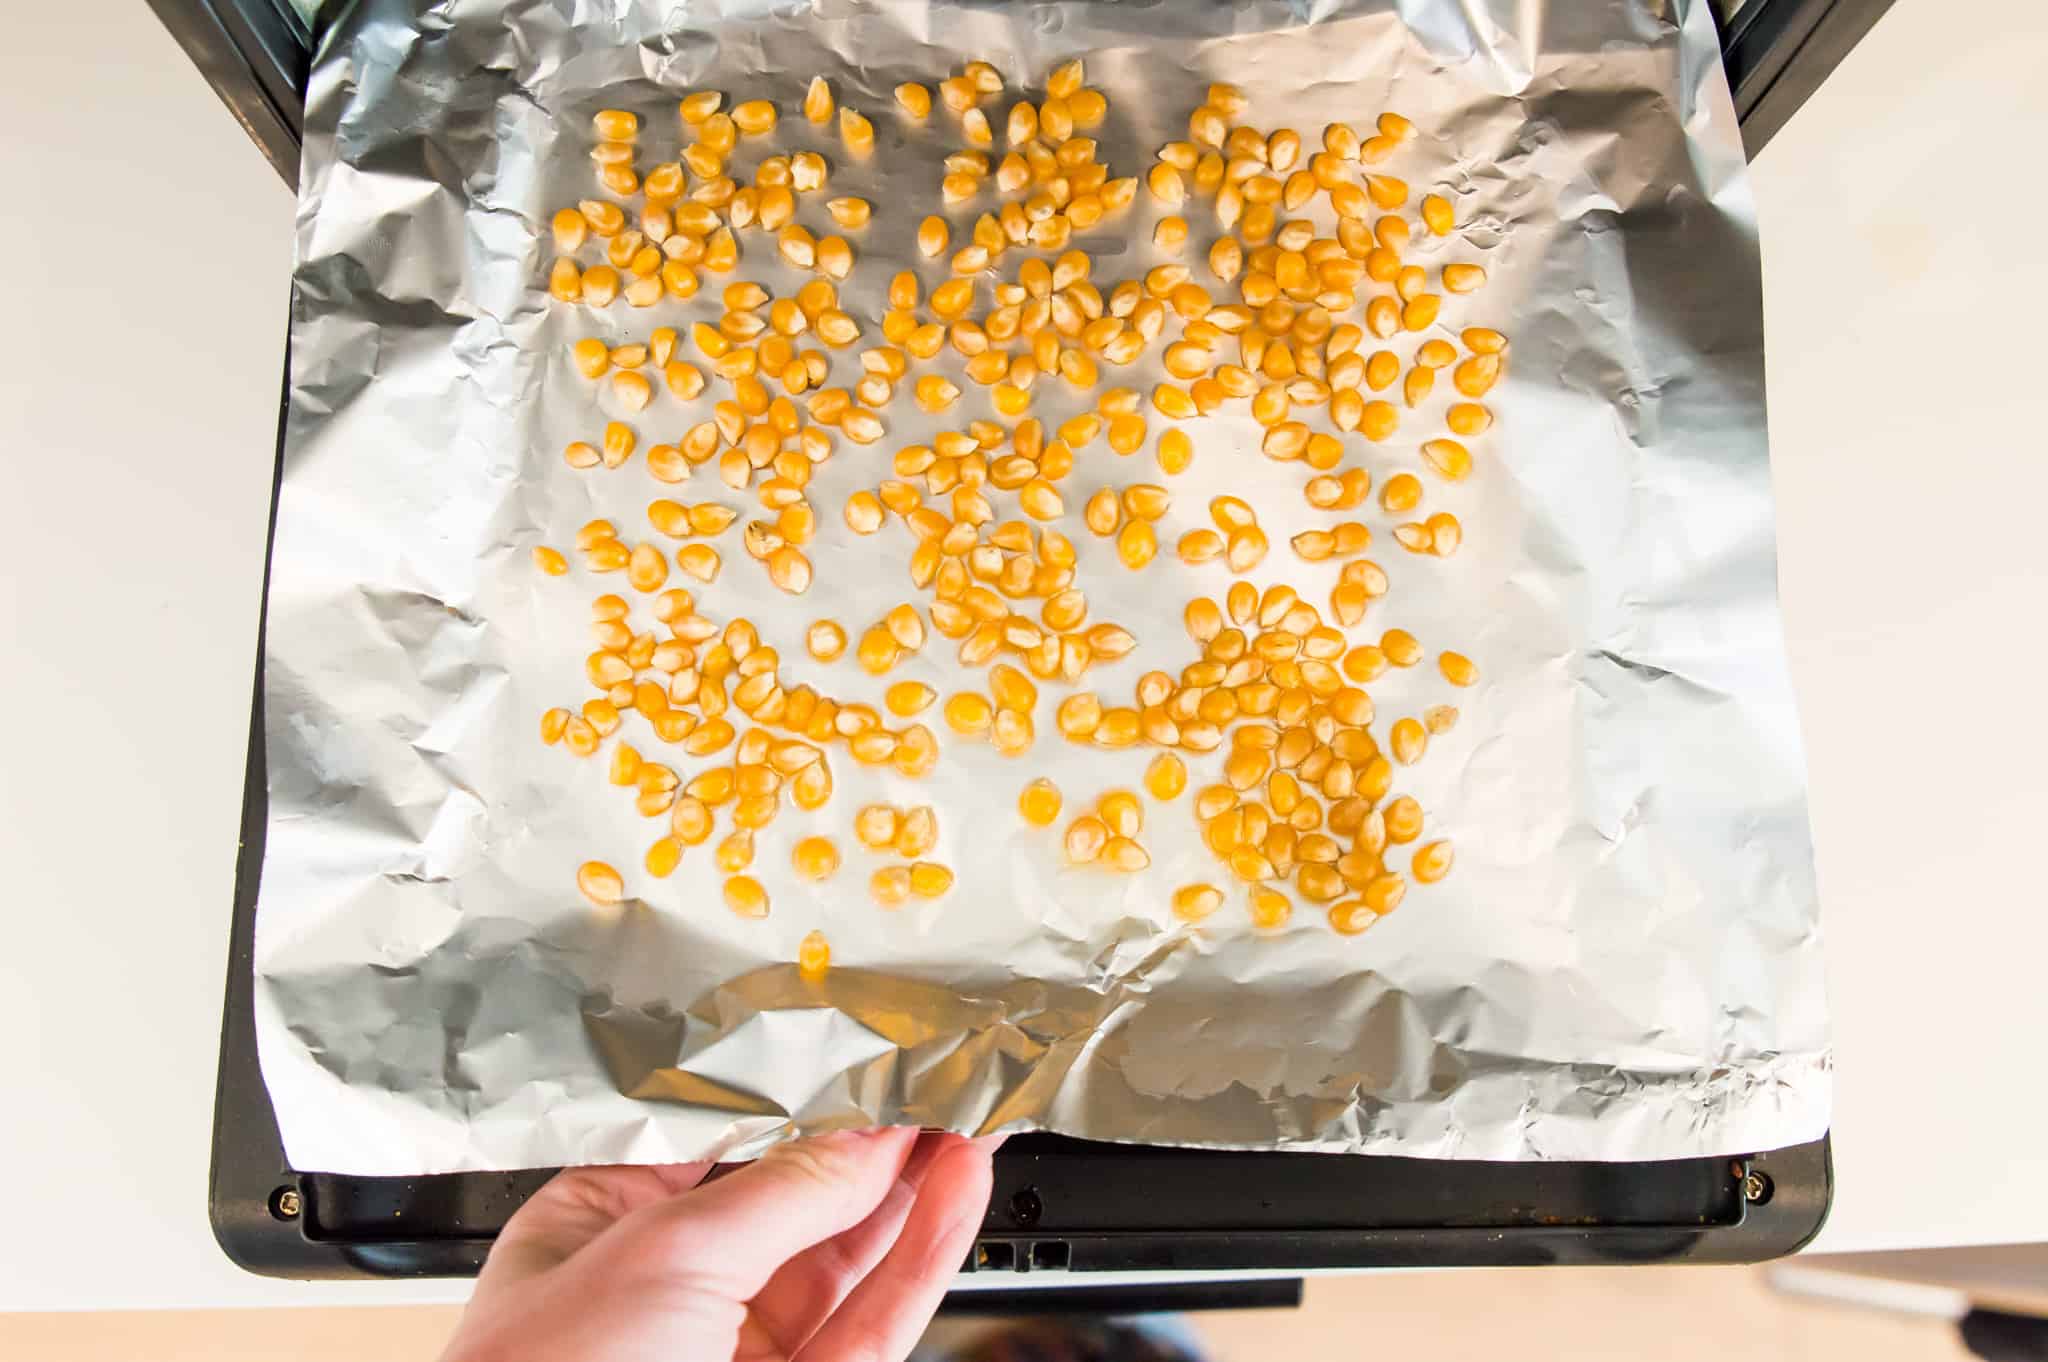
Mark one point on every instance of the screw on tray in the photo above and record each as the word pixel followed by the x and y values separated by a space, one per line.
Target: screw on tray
pixel 285 1203
pixel 1026 1207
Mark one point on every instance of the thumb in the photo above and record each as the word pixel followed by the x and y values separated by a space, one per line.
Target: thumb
pixel 730 1235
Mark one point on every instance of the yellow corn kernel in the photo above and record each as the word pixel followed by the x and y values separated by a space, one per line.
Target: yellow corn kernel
pixel 812 786
pixel 745 896
pixel 553 724
pixel 1415 387
pixel 890 886
pixel 1011 732
pixel 935 392
pixel 916 833
pixel 1118 728
pixel 1145 501
pixel 930 880
pixel 915 100
pixel 1244 768
pixel 1193 902
pixel 1430 863
pixel 571 229
pixel 1445 534
pixel 1457 668
pixel 1136 544
pixel 1171 233
pixel 1400 647
pixel 1011 689
pixel 1402 492
pixel 1467 418
pixel 647 569
pixel 876 826
pixel 1383 318
pixel 1085 839
pixel 601 884
pixel 877 652
pixel 813 956
pixel 1409 740
pixel 580 736
pixel 1166 777
pixel 1245 549
pixel 550 561
pixel 825 640
pixel 856 132
pixel 1166 184
pixel 1121 813
pixel 699 560
pixel 952 298
pixel 1172 402
pixel 1449 458
pixel 1121 853
pixel 1437 214
pixel 906 698
pixel 663 857
pixel 1476 375
pixel 1040 500
pixel 1482 340
pixel 1078 716
pixel 1349 917
pixel 917 751
pixel 968 713
pixel 834 257
pixel 1039 803
pixel 1401 821
pixel 1381 896
pixel 590 355
pixel 1269 907
pixel 1226 258
pixel 815 858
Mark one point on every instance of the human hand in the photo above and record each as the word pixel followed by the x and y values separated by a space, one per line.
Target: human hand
pixel 824 1250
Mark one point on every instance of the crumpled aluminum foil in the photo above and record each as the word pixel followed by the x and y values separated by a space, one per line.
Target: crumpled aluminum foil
pixel 1625 963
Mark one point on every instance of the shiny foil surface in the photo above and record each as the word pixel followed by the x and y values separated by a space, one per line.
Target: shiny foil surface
pixel 1624 963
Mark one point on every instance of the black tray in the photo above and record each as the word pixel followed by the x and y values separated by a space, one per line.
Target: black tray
pixel 1058 1203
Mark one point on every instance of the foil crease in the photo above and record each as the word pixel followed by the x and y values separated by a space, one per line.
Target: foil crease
pixel 1625 963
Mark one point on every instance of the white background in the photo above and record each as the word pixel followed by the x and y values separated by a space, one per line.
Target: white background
pixel 147 245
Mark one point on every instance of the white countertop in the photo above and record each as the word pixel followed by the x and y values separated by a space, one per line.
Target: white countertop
pixel 141 407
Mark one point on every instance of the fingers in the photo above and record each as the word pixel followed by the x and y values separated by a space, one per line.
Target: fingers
pixel 809 1287
pixel 731 1235
pixel 887 1312
pixel 574 1207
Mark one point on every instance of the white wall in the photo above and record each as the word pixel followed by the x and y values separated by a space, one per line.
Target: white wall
pixel 147 248
pixel 1905 285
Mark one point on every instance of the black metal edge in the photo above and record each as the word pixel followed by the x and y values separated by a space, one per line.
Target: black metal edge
pixel 248 1174
pixel 257 57
pixel 257 61
pixel 1141 1298
pixel 1778 52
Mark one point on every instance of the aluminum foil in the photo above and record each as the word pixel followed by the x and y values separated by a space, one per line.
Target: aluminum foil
pixel 1625 963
